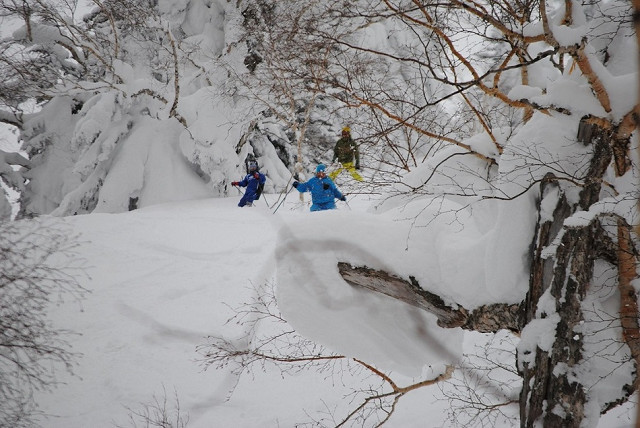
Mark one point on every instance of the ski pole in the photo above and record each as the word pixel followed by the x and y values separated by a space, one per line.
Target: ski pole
pixel 347 203
pixel 365 193
pixel 285 187
pixel 283 199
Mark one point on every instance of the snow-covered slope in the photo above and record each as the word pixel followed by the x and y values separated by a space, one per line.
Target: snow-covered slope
pixel 165 277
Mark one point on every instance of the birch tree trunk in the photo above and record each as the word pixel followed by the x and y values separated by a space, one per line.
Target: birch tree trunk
pixel 551 396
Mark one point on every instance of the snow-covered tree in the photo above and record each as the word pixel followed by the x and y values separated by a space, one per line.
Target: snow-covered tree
pixel 126 100
pixel 12 177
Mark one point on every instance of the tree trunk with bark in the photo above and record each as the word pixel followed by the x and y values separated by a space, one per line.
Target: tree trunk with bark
pixel 551 396
pixel 544 388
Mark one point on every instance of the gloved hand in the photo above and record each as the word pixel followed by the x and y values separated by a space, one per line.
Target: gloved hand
pixel 256 175
pixel 357 166
pixel 325 186
pixel 234 183
pixel 295 184
pixel 343 198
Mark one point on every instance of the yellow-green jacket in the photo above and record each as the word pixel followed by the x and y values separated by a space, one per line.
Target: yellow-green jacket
pixel 346 150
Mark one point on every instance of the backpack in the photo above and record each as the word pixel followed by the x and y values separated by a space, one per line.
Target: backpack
pixel 259 190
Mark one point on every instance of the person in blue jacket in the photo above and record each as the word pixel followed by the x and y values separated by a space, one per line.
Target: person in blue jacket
pixel 254 182
pixel 323 190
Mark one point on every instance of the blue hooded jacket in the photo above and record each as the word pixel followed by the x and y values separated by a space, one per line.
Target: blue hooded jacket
pixel 252 184
pixel 323 192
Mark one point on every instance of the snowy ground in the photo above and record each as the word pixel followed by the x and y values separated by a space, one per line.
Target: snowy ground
pixel 165 277
pixel 162 279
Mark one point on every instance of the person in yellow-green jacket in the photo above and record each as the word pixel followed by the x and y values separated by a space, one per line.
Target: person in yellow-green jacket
pixel 345 153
